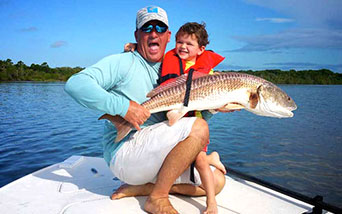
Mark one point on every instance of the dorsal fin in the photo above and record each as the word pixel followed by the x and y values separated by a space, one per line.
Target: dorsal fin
pixel 173 83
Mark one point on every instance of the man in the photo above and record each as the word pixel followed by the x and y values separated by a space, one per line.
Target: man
pixel 152 158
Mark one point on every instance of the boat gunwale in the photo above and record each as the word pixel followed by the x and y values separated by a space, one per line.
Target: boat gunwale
pixel 317 201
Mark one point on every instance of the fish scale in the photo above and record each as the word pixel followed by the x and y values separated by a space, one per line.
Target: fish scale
pixel 201 88
pixel 230 91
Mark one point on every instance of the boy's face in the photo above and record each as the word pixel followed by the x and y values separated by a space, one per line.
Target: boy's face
pixel 187 47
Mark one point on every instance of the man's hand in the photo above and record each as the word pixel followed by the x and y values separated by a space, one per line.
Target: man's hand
pixel 136 114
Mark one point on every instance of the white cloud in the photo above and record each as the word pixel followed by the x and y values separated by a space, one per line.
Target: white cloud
pixel 275 20
pixel 309 13
pixel 304 66
pixel 4 3
pixel 29 29
pixel 58 44
pixel 294 38
pixel 224 66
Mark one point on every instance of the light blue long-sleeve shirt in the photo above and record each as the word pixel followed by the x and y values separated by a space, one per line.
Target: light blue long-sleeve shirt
pixel 109 85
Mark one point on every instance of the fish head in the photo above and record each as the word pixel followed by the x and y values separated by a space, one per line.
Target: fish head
pixel 274 102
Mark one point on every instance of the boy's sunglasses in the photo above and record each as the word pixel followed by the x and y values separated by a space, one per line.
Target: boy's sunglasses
pixel 157 27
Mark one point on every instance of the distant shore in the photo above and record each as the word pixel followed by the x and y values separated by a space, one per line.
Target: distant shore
pixel 308 77
pixel 10 72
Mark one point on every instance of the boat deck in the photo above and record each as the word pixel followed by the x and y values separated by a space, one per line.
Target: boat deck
pixel 83 185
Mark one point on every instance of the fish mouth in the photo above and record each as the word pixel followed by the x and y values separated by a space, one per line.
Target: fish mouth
pixel 272 109
pixel 284 112
pixel 293 108
pixel 289 114
pixel 288 111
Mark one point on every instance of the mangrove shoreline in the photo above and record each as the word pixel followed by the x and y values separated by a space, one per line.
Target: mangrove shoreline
pixel 10 72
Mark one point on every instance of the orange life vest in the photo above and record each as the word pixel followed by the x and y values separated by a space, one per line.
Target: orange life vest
pixel 173 66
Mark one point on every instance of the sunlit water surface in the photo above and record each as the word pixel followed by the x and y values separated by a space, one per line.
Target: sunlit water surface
pixel 41 125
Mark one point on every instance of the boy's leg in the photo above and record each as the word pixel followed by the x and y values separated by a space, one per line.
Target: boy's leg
pixel 183 189
pixel 214 160
pixel 207 179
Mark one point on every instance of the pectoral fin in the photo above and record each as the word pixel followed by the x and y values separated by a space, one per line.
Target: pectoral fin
pixel 122 126
pixel 175 115
pixel 233 106
pixel 227 108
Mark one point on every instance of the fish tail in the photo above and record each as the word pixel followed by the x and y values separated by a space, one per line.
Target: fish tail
pixel 122 126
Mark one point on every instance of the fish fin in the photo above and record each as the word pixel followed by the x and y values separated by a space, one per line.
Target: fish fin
pixel 122 126
pixel 170 84
pixel 227 107
pixel 253 100
pixel 233 106
pixel 175 115
pixel 174 82
pixel 212 111
pixel 198 74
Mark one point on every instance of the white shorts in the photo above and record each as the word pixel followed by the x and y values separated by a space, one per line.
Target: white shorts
pixel 139 159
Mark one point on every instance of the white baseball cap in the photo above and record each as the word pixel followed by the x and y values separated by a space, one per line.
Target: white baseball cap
pixel 149 13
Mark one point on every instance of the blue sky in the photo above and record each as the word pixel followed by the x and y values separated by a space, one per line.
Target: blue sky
pixel 251 34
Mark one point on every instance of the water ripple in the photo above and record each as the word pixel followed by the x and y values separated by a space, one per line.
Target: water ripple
pixel 40 125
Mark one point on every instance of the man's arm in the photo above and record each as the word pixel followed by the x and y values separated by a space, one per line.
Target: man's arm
pixel 89 88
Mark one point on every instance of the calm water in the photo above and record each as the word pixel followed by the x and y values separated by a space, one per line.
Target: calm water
pixel 41 125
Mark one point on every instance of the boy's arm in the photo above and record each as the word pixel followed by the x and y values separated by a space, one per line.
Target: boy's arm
pixel 130 47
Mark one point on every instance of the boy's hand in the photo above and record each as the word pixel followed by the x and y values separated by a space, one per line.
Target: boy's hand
pixel 130 47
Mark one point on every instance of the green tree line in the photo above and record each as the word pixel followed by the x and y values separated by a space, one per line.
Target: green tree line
pixel 321 77
pixel 35 72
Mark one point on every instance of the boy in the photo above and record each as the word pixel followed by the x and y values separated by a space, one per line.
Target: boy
pixel 190 53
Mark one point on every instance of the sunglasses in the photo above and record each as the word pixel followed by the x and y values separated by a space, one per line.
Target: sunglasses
pixel 157 27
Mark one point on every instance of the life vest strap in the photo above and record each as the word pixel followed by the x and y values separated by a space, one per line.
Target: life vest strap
pixel 166 77
pixel 192 172
pixel 188 87
pixel 181 70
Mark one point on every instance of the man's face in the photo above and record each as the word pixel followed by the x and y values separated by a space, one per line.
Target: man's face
pixel 152 45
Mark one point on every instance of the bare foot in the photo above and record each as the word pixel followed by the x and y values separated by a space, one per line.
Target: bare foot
pixel 214 159
pixel 157 205
pixel 127 190
pixel 211 209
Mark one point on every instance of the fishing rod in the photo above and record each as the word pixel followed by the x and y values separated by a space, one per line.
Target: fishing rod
pixel 317 201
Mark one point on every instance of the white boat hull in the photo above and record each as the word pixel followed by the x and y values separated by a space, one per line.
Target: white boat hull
pixel 83 185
